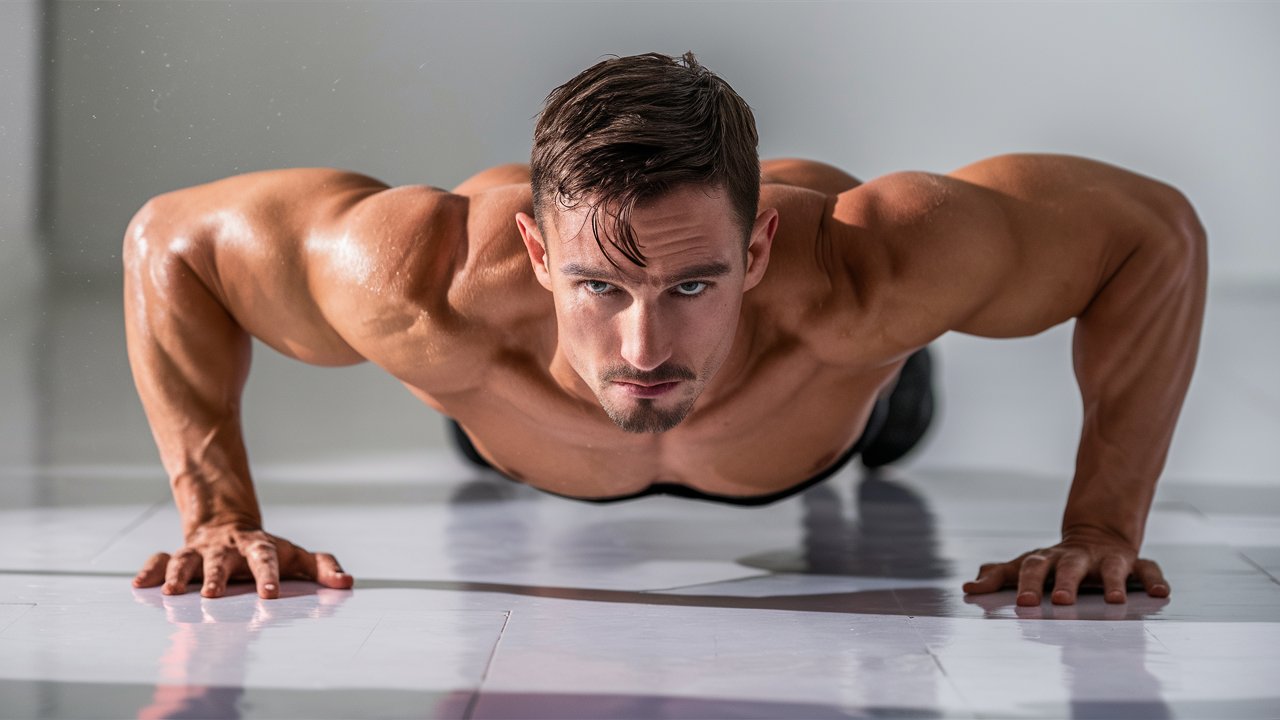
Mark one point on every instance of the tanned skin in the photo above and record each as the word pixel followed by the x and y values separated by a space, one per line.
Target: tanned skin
pixel 776 355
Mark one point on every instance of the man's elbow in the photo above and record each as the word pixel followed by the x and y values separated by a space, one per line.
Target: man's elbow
pixel 156 239
pixel 1181 225
pixel 1185 246
pixel 138 230
pixel 1174 239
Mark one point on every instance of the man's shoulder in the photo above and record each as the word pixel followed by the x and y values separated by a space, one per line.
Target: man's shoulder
pixel 879 276
pixel 425 277
pixel 418 243
pixel 809 293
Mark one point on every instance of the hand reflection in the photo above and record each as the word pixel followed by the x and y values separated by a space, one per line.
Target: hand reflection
pixel 1091 685
pixel 202 672
pixel 1089 606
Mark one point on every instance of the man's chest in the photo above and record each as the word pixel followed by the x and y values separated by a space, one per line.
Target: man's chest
pixel 786 422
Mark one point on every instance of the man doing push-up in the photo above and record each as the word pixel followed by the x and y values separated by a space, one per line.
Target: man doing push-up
pixel 647 308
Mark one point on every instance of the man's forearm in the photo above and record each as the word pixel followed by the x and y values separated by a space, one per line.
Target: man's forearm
pixel 1134 351
pixel 217 488
pixel 190 361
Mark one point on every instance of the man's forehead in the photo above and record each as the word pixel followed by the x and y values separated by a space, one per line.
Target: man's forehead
pixel 693 224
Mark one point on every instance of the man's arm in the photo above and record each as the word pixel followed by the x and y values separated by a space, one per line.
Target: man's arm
pixel 206 269
pixel 1014 245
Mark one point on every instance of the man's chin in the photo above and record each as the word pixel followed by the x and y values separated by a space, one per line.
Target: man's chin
pixel 645 416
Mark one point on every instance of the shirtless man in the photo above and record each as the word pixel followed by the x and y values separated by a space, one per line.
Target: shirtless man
pixel 637 311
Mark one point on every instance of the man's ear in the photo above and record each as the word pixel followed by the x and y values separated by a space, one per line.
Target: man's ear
pixel 759 246
pixel 535 246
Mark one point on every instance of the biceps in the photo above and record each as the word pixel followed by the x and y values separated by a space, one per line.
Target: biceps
pixel 244 273
pixel 1059 262
pixel 954 255
pixel 1039 290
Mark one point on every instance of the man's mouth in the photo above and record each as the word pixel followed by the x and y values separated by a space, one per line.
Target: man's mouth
pixel 646 390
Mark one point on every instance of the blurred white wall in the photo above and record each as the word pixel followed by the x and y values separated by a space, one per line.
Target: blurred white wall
pixel 147 97
pixel 20 417
pixel 19 143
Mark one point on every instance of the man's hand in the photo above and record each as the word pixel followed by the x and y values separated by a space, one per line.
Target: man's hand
pixel 220 553
pixel 1088 555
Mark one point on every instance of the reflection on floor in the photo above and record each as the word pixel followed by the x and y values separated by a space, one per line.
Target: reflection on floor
pixel 480 598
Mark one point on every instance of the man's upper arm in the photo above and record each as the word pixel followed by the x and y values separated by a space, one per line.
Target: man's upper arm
pixel 980 252
pixel 382 276
pixel 311 261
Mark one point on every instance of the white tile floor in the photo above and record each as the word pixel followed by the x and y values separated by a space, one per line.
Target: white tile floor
pixel 479 598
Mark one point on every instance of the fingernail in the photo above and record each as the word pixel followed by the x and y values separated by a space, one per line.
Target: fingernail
pixel 270 587
pixel 1027 597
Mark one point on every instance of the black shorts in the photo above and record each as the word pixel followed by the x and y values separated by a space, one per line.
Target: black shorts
pixel 874 423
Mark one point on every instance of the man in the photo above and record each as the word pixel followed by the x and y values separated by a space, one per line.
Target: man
pixel 637 312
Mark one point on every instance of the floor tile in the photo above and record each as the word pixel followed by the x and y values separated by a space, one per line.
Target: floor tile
pixel 186 654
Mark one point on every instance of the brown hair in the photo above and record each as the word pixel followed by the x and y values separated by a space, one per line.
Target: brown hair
pixel 630 129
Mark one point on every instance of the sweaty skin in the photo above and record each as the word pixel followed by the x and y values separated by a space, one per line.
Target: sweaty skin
pixel 772 357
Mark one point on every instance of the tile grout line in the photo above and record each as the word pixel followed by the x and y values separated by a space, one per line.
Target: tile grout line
pixel 717 582
pixel 366 637
pixel 475 696
pixel 130 527
pixel 21 615
pixel 1275 579
pixel 937 661
pixel 1146 629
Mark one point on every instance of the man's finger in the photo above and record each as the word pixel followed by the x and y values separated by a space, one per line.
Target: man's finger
pixel 1115 571
pixel 261 556
pixel 152 572
pixel 1070 570
pixel 1152 578
pixel 1035 568
pixel 329 573
pixel 990 578
pixel 295 561
pixel 180 571
pixel 217 570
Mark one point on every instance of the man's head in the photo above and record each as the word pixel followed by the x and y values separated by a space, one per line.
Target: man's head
pixel 646 229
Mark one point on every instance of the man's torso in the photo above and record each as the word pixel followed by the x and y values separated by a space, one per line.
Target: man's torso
pixel 335 268
pixel 792 406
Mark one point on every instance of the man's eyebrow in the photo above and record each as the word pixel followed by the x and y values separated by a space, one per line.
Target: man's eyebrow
pixel 694 272
pixel 587 271
pixel 698 272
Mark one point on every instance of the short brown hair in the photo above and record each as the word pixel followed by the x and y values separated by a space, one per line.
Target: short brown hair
pixel 630 129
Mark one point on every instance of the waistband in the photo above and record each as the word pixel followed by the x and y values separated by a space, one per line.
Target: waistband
pixel 876 421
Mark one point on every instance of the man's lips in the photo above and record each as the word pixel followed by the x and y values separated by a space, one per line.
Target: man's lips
pixel 643 390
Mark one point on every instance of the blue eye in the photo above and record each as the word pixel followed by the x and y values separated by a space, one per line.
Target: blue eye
pixel 597 287
pixel 691 289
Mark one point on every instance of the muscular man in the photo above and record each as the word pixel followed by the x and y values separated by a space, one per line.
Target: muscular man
pixel 647 308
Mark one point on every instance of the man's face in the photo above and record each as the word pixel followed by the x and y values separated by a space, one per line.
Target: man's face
pixel 646 341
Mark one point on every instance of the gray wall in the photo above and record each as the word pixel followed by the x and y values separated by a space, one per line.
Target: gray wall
pixel 150 96
pixel 19 102
pixel 20 415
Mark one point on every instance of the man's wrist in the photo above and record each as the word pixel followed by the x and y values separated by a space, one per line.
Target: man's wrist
pixel 1127 533
pixel 202 503
pixel 240 521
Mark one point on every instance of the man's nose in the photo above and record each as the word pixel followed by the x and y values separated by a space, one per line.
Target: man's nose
pixel 645 345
